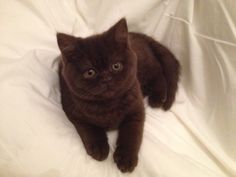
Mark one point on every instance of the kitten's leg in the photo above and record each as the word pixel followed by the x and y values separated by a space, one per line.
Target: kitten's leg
pixel 157 90
pixel 94 140
pixel 170 68
pixel 128 143
pixel 172 72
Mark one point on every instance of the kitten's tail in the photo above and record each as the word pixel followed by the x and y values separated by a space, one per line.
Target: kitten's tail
pixel 171 70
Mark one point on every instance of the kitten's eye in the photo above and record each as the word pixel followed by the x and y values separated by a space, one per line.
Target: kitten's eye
pixel 89 74
pixel 117 67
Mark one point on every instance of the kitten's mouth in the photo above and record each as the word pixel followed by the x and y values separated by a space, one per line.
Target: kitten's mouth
pixel 107 91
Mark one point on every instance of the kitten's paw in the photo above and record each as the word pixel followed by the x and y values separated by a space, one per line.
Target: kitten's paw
pixel 158 96
pixel 98 150
pixel 156 101
pixel 168 103
pixel 126 161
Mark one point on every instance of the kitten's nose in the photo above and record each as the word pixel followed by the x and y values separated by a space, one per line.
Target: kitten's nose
pixel 106 78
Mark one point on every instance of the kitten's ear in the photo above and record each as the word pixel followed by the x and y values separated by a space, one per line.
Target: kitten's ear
pixel 120 31
pixel 65 41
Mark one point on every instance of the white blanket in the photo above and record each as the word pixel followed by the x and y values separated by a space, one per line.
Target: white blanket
pixel 196 138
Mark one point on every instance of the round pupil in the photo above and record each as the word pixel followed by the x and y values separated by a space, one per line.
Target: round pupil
pixel 116 66
pixel 90 72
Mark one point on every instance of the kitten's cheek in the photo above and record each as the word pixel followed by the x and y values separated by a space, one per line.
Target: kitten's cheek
pixel 78 84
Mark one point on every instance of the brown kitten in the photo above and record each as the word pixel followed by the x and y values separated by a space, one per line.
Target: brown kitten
pixel 103 79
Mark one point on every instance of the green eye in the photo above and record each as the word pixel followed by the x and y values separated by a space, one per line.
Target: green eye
pixel 117 67
pixel 89 74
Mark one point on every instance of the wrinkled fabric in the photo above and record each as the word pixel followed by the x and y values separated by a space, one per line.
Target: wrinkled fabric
pixel 195 138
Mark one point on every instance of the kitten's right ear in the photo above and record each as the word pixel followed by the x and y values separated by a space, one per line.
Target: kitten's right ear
pixel 65 41
pixel 120 31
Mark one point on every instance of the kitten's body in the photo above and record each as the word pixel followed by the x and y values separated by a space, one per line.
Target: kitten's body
pixel 114 100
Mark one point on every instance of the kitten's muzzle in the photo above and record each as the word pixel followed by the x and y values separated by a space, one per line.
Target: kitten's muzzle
pixel 106 79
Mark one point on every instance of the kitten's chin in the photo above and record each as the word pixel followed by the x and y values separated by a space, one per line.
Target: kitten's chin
pixel 108 94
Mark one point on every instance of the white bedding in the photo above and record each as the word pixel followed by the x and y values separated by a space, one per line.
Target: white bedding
pixel 196 138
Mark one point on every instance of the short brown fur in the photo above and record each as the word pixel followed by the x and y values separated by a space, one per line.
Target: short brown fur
pixel 114 100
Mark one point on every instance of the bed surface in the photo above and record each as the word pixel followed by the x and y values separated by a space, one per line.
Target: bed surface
pixel 195 138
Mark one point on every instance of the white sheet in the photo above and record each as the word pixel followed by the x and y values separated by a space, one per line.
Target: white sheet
pixel 195 138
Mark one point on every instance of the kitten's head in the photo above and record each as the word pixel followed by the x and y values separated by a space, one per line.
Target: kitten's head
pixel 100 66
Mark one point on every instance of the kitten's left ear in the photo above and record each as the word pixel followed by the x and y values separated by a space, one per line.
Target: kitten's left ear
pixel 120 31
pixel 65 41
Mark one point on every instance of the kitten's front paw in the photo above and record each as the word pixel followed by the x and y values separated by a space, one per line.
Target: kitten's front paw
pixel 126 161
pixel 98 150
